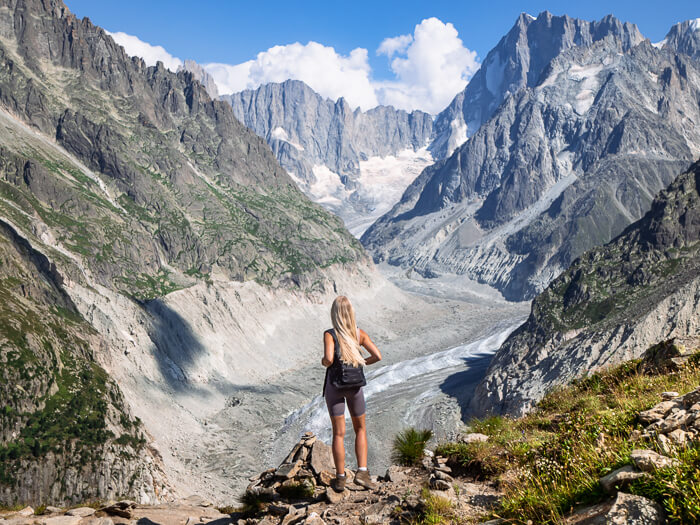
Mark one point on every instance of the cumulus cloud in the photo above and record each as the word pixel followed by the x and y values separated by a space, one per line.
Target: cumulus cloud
pixel 321 67
pixel 430 67
pixel 151 54
pixel 397 44
pixel 430 70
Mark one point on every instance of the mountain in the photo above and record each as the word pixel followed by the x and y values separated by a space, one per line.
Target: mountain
pixel 355 163
pixel 204 78
pixel 145 235
pixel 65 429
pixel 612 304
pixel 684 37
pixel 516 62
pixel 559 167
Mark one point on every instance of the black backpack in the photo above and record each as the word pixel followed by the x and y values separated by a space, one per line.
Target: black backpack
pixel 343 375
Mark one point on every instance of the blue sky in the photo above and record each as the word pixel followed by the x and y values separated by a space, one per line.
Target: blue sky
pixel 232 32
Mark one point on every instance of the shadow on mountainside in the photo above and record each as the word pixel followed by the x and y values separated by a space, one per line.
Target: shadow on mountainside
pixel 461 385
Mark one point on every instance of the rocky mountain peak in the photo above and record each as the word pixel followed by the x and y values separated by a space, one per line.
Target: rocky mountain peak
pixel 202 76
pixel 517 61
pixel 684 37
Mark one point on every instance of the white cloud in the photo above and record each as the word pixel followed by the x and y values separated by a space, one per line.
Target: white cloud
pixel 430 67
pixel 431 70
pixel 397 44
pixel 150 53
pixel 325 71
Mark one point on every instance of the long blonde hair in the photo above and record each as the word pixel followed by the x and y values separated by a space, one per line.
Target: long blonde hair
pixel 343 319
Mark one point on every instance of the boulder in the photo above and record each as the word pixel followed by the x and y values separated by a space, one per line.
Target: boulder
pixel 657 412
pixel 61 520
pixel 334 497
pixel 26 512
pixel 83 512
pixel 690 398
pixel 679 437
pixel 321 457
pixel 620 478
pixel 288 470
pixel 438 484
pixel 325 477
pixel 634 510
pixel 395 474
pixel 649 461
pixel 676 419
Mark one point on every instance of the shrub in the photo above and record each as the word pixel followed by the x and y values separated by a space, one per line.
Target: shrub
pixel 436 510
pixel 409 446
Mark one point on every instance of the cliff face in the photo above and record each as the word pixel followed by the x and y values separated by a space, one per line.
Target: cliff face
pixel 333 153
pixel 517 62
pixel 563 164
pixel 609 306
pixel 172 182
pixel 119 185
pixel 66 434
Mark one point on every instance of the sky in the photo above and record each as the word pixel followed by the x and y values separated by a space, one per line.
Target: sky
pixel 411 54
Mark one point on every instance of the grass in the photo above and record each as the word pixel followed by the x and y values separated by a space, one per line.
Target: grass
pixel 437 510
pixel 253 502
pixel 295 491
pixel 409 446
pixel 549 462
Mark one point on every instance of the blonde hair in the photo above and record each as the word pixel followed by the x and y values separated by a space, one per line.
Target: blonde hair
pixel 343 319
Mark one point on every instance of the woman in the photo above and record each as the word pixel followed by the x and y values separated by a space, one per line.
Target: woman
pixel 350 341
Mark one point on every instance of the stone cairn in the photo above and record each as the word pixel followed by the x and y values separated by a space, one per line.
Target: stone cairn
pixel 305 473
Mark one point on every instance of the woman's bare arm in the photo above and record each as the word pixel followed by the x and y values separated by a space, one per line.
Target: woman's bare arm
pixel 328 349
pixel 368 344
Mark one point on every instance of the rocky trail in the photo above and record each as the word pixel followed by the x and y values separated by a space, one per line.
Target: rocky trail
pixel 298 491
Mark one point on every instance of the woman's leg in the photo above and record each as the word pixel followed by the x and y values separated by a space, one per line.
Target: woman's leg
pixel 358 423
pixel 338 423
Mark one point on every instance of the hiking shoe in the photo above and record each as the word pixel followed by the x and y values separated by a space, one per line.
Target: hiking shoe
pixel 362 478
pixel 338 483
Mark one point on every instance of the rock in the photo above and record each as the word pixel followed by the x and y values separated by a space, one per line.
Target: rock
pixel 664 443
pixel 666 396
pixel 192 521
pixel 428 453
pixel 314 519
pixel 288 470
pixel 25 512
pixel 620 478
pixel 474 437
pixel 427 463
pixel 395 474
pixel 123 509
pixel 61 520
pixel 83 512
pixel 673 421
pixel 321 457
pixel 438 484
pixel 443 468
pixel 634 510
pixel 443 476
pixel 657 412
pixel 53 510
pixel 280 509
pixel 325 478
pixel 649 461
pixel 310 441
pixel 291 456
pixel 679 437
pixel 334 497
pixel 691 398
pixel 97 521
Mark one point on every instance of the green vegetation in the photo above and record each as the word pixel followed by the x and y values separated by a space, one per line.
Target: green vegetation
pixel 295 491
pixel 549 462
pixel 409 446
pixel 437 510
pixel 253 502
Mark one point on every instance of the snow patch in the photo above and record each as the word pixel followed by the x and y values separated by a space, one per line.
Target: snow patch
pixel 458 135
pixel 494 73
pixel 694 25
pixel 588 78
pixel 659 45
pixel 280 134
pixel 327 189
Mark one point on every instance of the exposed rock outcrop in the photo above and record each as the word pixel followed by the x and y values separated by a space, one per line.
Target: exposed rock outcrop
pixel 610 306
pixel 563 163
pixel 355 163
